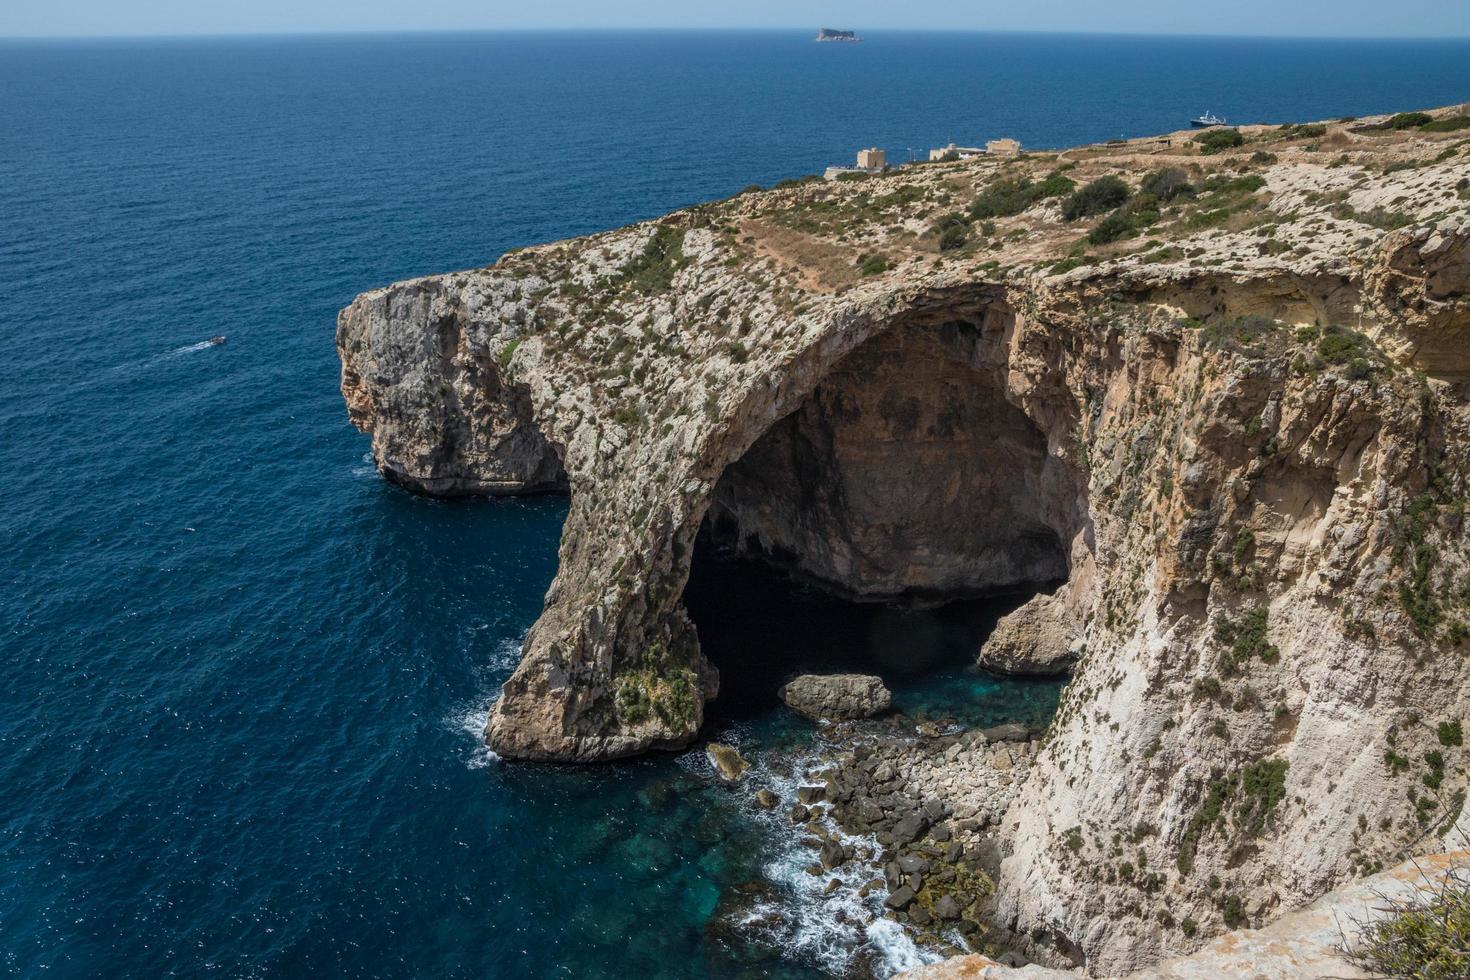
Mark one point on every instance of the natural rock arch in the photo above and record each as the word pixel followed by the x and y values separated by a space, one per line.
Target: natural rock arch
pixel 906 474
pixel 991 503
pixel 1231 479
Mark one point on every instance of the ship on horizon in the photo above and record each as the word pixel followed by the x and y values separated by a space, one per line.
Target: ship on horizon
pixel 828 34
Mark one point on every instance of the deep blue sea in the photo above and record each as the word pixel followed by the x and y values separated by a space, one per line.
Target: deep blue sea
pixel 243 677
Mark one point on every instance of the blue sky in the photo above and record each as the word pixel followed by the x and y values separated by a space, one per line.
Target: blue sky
pixel 1358 18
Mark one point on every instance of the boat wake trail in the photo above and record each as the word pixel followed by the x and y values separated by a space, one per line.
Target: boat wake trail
pixel 193 348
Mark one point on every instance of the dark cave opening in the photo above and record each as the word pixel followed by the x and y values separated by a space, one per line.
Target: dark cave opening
pixel 884 526
pixel 759 625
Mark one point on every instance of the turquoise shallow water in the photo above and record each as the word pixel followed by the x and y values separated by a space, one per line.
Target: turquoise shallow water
pixel 243 677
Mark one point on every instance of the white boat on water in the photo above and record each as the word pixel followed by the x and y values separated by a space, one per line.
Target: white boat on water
pixel 1208 119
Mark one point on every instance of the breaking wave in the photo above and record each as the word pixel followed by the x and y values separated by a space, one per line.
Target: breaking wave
pixel 834 930
pixel 469 718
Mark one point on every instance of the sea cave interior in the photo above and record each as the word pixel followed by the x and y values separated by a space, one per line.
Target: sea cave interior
pixel 884 525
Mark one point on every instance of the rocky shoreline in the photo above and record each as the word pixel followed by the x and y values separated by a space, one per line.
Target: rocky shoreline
pixel 907 812
pixel 1217 389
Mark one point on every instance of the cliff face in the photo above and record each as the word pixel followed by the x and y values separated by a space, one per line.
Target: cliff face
pixel 1239 437
pixel 1303 945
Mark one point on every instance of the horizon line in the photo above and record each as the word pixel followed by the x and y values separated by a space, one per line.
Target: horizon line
pixel 609 29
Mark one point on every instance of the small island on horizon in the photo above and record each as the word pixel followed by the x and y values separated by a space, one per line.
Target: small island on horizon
pixel 828 34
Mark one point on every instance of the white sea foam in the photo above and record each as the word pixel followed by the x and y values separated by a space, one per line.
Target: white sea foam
pixel 191 348
pixel 470 721
pixel 506 655
pixel 826 930
pixel 470 717
pixel 897 951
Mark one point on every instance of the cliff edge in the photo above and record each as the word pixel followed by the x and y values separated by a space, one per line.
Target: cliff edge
pixel 1216 388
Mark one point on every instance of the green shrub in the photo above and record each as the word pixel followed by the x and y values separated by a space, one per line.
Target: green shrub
pixel 1222 184
pixel 1450 125
pixel 1167 184
pixel 1417 556
pixel 1233 911
pixel 1301 131
pixel 1379 217
pixel 1207 688
pixel 652 270
pixel 659 682
pixel 1245 638
pixel 506 353
pixel 1339 346
pixel 953 237
pixel 1140 212
pixel 872 265
pixel 1115 226
pixel 1006 197
pixel 1245 547
pixel 1216 140
pixel 1409 120
pixel 1450 733
pixel 1056 184
pixel 1262 787
pixel 953 231
pixel 1238 332
pixel 1255 792
pixel 1425 936
pixel 1098 197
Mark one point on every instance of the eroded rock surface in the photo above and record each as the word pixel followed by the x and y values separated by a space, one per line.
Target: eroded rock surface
pixel 837 697
pixel 726 761
pixel 1240 436
pixel 1039 639
pixel 1304 945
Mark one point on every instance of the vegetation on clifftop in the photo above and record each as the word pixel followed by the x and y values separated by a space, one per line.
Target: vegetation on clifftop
pixel 1426 936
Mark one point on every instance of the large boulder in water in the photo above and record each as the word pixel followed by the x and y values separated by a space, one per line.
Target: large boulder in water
pixel 728 763
pixel 1039 639
pixel 836 697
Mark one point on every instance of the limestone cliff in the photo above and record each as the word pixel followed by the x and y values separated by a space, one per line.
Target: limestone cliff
pixel 1229 416
pixel 1312 944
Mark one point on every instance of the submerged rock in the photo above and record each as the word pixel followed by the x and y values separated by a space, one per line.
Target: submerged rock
pixel 728 763
pixel 766 800
pixel 837 697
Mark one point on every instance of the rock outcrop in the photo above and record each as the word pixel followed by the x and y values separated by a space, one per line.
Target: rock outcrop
pixel 1234 421
pixel 726 761
pixel 1040 638
pixel 837 697
pixel 1305 945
